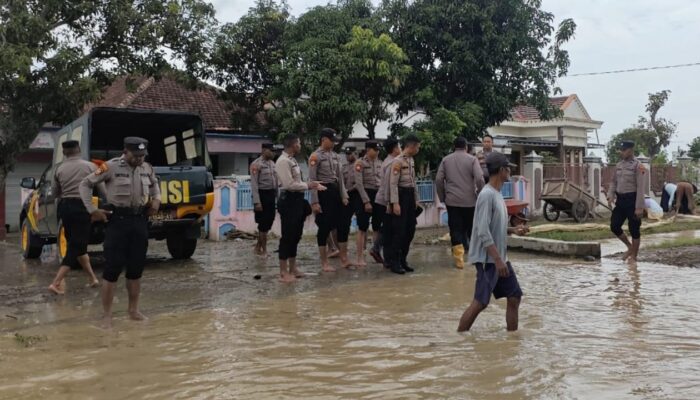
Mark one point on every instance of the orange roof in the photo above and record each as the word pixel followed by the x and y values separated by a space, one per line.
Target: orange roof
pixel 529 113
pixel 165 93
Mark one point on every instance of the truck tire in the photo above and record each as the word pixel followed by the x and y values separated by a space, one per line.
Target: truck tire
pixel 31 243
pixel 180 247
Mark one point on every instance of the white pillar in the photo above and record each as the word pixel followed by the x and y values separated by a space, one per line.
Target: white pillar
pixel 646 163
pixel 595 165
pixel 532 170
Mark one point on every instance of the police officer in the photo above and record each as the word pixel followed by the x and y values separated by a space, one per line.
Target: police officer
pixel 264 186
pixel 354 199
pixel 403 202
pixel 292 206
pixel 325 167
pixel 627 194
pixel 459 178
pixel 133 194
pixel 368 172
pixel 391 146
pixel 72 214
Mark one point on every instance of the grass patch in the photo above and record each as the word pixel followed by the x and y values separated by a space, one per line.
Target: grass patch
pixel 602 234
pixel 674 243
pixel 29 340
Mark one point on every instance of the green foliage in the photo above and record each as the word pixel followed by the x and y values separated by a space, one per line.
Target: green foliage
pixel 245 54
pixel 481 56
pixel 650 135
pixel 694 151
pixel 660 159
pixel 313 79
pixel 548 157
pixel 55 56
pixel 379 69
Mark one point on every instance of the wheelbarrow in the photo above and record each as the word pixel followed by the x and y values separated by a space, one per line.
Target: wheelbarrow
pixel 515 211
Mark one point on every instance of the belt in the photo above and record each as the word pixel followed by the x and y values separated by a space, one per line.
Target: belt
pixel 71 199
pixel 406 189
pixel 128 211
pixel 330 185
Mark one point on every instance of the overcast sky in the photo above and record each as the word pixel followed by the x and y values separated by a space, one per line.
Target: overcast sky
pixel 611 35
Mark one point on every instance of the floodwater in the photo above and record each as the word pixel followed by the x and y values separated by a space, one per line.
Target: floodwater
pixel 600 330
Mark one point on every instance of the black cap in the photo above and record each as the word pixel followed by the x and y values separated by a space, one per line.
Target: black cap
pixel 495 160
pixel 350 149
pixel 329 133
pixel 626 144
pixel 410 139
pixel 70 144
pixel 372 144
pixel 138 146
pixel 269 146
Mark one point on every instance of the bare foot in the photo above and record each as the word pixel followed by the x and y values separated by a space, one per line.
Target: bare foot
pixel 93 283
pixel 334 254
pixel 297 273
pixel 287 278
pixel 106 322
pixel 327 268
pixel 347 264
pixel 626 255
pixel 55 289
pixel 361 262
pixel 137 316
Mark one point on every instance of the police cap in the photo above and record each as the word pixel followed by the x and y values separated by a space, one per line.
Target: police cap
pixel 626 144
pixel 269 146
pixel 70 144
pixel 350 149
pixel 136 145
pixel 372 144
pixel 329 133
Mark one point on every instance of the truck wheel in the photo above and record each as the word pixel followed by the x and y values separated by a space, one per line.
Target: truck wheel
pixel 181 248
pixel 31 243
pixel 62 242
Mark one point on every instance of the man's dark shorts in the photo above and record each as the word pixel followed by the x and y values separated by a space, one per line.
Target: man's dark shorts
pixel 266 217
pixel 125 247
pixel 488 282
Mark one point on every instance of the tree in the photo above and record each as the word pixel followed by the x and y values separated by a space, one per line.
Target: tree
pixel 694 151
pixel 56 56
pixel 378 69
pixel 245 54
pixel 478 58
pixel 313 78
pixel 650 134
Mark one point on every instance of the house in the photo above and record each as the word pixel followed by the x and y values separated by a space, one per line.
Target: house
pixel 566 138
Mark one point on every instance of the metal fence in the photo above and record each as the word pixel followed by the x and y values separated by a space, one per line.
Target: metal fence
pixel 507 190
pixel 244 197
pixel 426 191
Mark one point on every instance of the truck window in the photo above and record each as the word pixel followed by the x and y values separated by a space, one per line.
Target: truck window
pixel 181 149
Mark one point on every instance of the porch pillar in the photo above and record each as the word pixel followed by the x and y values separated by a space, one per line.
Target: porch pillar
pixel 646 162
pixel 594 166
pixel 532 170
pixel 684 166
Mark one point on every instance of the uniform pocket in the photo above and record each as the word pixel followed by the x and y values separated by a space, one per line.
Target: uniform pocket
pixel 122 187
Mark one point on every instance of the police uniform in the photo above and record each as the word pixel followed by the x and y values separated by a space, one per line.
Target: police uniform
pixel 402 191
pixel 129 191
pixel 325 167
pixel 459 178
pixel 292 206
pixel 348 171
pixel 71 211
pixel 627 190
pixel 367 180
pixel 264 186
pixel 382 202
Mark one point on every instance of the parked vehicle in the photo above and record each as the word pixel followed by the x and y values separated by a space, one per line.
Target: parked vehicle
pixel 177 151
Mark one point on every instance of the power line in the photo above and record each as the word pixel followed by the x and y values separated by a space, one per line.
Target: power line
pixel 622 71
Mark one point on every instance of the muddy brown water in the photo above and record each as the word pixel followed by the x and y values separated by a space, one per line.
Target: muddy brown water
pixel 601 330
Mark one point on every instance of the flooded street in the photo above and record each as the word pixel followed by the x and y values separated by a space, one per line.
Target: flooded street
pixel 588 330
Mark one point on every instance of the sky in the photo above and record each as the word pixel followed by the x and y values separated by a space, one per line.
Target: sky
pixel 611 35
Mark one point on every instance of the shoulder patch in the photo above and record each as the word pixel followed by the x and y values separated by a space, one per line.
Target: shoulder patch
pixel 102 168
pixel 313 160
pixel 642 169
pixel 396 167
pixel 253 169
pixel 358 166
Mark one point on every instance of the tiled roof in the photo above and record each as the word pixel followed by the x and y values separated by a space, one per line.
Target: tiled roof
pixel 167 94
pixel 529 113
